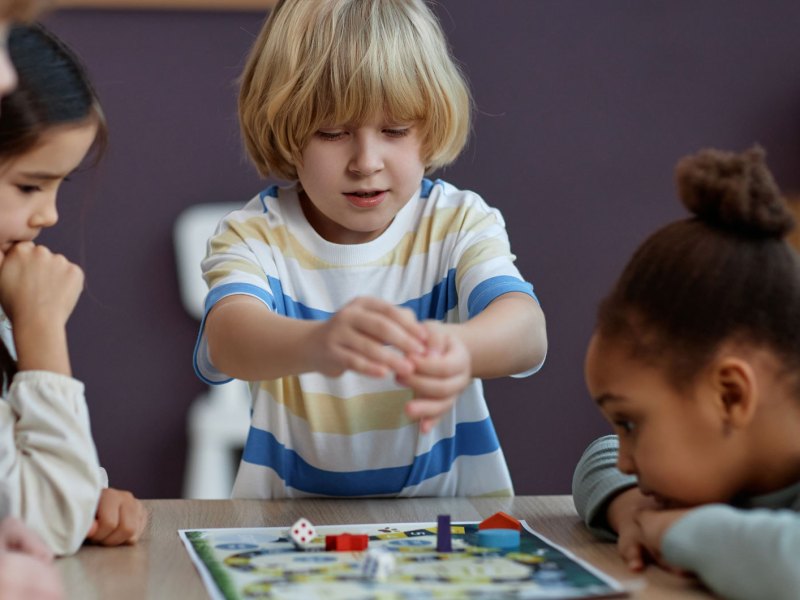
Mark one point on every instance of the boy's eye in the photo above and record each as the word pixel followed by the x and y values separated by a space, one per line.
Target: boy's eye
pixel 29 189
pixel 397 132
pixel 330 135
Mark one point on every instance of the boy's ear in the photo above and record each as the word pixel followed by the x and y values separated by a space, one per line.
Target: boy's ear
pixel 735 384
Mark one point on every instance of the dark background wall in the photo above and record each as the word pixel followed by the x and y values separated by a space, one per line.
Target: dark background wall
pixel 583 109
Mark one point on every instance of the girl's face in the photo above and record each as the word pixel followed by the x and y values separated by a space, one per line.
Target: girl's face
pixel 676 444
pixel 29 182
pixel 357 178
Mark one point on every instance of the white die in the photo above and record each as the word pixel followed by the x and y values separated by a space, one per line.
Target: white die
pixel 302 532
pixel 378 564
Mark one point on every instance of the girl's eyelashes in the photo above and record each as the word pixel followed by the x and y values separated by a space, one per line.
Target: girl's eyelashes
pixel 626 426
pixel 28 189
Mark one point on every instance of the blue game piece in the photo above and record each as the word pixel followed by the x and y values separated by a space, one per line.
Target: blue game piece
pixel 505 539
pixel 444 539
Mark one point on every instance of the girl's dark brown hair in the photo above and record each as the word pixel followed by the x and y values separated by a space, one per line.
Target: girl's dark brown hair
pixel 52 89
pixel 725 274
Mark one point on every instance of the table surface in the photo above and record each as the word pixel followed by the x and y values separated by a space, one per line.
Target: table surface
pixel 159 566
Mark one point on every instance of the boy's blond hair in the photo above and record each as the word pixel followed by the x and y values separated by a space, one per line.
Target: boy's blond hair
pixel 323 63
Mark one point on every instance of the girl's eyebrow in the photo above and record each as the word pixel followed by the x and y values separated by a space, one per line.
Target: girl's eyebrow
pixel 43 176
pixel 605 398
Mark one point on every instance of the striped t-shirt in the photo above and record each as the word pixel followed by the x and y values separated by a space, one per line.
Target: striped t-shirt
pixel 446 256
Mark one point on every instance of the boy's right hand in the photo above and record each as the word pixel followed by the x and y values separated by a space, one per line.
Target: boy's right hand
pixel 368 336
pixel 38 286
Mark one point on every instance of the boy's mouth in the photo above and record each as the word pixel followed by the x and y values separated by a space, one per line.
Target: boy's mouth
pixel 366 199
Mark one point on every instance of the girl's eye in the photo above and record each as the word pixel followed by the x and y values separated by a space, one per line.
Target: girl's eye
pixel 625 425
pixel 29 189
pixel 330 135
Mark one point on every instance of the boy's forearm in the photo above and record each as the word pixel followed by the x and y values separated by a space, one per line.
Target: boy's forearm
pixel 507 338
pixel 248 341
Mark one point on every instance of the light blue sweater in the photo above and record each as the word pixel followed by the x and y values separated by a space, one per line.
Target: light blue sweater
pixel 747 552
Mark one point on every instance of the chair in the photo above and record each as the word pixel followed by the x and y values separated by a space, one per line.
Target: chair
pixel 218 420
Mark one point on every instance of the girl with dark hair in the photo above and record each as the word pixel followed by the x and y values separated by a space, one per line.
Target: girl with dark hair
pixel 695 361
pixel 49 472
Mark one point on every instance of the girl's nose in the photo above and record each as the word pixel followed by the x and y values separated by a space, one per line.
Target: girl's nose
pixel 625 461
pixel 45 215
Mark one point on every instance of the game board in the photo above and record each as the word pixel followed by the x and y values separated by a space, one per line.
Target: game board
pixel 245 563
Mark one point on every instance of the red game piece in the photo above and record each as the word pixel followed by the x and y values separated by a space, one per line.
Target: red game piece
pixel 500 520
pixel 346 542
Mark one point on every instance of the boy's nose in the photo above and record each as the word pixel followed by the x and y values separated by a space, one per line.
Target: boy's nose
pixel 366 159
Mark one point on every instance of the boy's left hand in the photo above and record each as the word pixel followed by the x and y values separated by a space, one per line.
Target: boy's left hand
pixel 439 377
pixel 120 519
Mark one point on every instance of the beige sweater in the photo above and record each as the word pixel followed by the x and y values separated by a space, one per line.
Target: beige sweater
pixel 49 471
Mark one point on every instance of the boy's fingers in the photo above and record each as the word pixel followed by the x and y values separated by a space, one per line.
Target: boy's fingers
pixel 434 388
pixel 421 409
pixel 384 330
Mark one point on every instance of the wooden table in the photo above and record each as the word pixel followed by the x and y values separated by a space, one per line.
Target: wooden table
pixel 159 566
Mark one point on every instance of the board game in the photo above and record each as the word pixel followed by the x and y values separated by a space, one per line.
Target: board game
pixel 246 563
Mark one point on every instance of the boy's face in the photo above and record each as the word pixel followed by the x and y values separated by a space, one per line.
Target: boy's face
pixel 676 444
pixel 356 178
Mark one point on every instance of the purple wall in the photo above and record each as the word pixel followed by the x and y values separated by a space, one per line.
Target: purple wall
pixel 583 110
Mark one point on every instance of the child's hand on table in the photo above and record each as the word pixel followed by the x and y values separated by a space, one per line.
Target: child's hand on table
pixel 622 515
pixel 439 376
pixel 368 336
pixel 26 565
pixel 653 525
pixel 121 518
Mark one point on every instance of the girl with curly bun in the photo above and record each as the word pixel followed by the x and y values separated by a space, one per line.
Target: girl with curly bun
pixel 695 361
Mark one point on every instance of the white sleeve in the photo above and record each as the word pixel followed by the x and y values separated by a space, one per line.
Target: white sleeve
pixel 739 554
pixel 48 460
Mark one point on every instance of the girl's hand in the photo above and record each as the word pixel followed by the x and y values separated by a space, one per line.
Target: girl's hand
pixel 24 576
pixel 38 286
pixel 121 519
pixel 653 525
pixel 16 537
pixel 26 564
pixel 622 514
pixel 439 376
pixel 368 336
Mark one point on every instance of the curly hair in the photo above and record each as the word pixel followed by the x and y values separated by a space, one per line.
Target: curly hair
pixel 725 274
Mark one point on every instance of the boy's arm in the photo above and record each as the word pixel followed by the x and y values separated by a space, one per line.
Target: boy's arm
pixel 739 554
pixel 248 341
pixel 508 337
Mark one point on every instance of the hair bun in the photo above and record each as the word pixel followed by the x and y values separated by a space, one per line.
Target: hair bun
pixel 734 191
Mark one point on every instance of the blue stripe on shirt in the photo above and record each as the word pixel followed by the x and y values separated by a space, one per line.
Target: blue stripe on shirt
pixel 471 439
pixel 486 291
pixel 433 305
